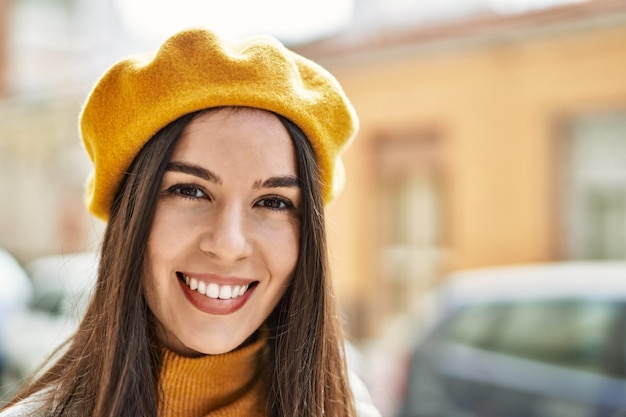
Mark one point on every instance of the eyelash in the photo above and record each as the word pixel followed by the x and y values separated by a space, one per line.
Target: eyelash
pixel 178 191
pixel 275 199
pixel 288 205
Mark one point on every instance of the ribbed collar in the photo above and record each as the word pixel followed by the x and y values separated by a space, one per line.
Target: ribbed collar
pixel 224 385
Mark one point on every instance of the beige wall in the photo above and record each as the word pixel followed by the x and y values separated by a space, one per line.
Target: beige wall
pixel 498 107
pixel 42 171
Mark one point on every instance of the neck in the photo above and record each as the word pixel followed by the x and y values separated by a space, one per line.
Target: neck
pixel 228 384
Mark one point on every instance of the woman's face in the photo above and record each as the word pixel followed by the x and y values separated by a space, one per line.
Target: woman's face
pixel 224 241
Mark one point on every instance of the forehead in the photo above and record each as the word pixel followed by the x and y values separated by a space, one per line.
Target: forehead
pixel 228 135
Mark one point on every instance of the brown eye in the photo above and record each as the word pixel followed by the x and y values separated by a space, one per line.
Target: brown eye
pixel 187 191
pixel 275 203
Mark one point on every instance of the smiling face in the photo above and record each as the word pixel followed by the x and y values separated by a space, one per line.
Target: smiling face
pixel 225 236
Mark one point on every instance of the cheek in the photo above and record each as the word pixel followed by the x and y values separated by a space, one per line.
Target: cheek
pixel 155 261
pixel 284 254
pixel 169 232
pixel 163 245
pixel 150 287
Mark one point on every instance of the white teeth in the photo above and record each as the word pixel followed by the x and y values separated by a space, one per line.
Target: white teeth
pixel 225 292
pixel 202 287
pixel 215 291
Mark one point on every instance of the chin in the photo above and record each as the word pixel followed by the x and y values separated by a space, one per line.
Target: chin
pixel 217 350
pixel 215 346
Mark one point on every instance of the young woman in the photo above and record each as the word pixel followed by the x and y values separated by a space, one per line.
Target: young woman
pixel 212 164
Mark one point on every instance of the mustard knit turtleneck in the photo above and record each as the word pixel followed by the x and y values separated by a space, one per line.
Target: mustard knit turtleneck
pixel 227 385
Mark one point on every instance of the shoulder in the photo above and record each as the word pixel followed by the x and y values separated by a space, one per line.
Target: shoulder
pixel 364 405
pixel 23 409
pixel 31 406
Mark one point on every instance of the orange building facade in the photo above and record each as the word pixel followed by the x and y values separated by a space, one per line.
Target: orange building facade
pixel 485 143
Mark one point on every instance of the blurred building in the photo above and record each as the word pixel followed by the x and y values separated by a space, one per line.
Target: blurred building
pixel 489 140
pixel 51 52
pixel 490 134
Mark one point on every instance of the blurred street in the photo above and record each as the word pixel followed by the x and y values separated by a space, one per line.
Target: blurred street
pixel 484 208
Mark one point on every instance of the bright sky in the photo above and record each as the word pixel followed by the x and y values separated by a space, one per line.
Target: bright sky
pixel 289 20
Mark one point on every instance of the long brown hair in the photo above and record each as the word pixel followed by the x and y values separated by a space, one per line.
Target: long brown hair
pixel 111 365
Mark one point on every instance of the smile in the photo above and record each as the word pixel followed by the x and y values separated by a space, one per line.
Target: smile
pixel 213 290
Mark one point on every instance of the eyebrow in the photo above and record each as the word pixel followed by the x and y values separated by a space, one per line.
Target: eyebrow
pixel 194 170
pixel 284 181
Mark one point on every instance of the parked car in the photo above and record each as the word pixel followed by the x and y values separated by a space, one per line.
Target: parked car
pixel 526 341
pixel 61 286
pixel 15 293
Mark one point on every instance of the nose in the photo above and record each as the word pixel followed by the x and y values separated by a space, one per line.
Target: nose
pixel 226 236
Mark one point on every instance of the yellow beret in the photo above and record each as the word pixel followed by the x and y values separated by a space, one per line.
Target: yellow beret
pixel 195 70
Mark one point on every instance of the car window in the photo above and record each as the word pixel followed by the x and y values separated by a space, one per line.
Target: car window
pixel 63 283
pixel 584 335
pixel 15 285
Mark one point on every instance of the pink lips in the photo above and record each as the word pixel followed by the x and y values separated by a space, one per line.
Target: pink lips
pixel 212 305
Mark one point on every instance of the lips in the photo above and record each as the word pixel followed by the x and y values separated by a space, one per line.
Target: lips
pixel 214 290
pixel 214 297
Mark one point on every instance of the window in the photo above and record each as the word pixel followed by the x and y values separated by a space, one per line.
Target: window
pixel 594 173
pixel 410 189
pixel 569 333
